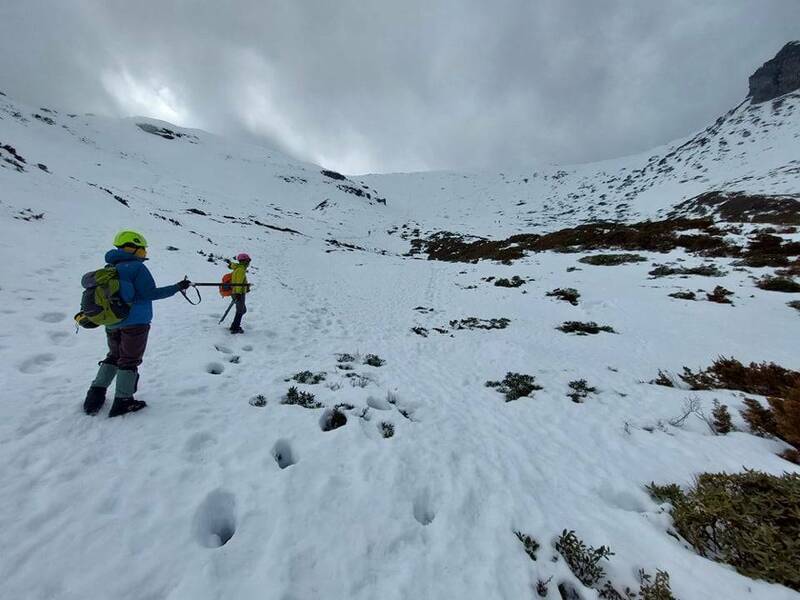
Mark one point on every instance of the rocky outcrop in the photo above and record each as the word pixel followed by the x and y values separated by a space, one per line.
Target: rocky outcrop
pixel 778 76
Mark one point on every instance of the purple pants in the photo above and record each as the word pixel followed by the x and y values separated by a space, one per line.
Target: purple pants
pixel 126 346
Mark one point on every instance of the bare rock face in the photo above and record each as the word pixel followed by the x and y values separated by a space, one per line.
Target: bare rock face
pixel 778 76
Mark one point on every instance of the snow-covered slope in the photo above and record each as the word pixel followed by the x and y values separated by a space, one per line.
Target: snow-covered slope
pixel 137 507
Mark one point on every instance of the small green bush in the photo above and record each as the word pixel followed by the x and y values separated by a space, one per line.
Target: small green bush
pixel 583 560
pixel 515 282
pixel 515 385
pixel 308 377
pixel 531 545
pixel 259 401
pixel 590 328
pixel 298 398
pixel 580 390
pixel 721 418
pixel 387 429
pixel 373 360
pixel 748 520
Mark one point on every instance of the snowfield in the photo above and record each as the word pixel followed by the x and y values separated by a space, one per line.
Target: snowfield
pixel 206 495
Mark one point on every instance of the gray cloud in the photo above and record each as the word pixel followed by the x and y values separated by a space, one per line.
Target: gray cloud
pixel 413 85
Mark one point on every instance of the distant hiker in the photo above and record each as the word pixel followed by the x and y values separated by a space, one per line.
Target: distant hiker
pixel 126 288
pixel 239 276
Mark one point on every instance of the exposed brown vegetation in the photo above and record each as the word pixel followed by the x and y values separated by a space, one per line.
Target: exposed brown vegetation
pixel 612 260
pixel 570 295
pixel 704 270
pixel 779 284
pixel 720 295
pixel 764 379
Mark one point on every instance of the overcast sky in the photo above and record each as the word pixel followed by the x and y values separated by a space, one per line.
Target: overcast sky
pixel 377 86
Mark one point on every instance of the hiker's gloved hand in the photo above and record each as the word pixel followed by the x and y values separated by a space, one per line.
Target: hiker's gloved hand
pixel 183 284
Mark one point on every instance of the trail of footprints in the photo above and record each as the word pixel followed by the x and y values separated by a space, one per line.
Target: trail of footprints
pixel 41 362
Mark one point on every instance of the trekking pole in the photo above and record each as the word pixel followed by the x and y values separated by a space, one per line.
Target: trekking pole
pixel 226 285
pixel 230 306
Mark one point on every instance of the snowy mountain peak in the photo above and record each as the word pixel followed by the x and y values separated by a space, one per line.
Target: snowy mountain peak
pixel 777 76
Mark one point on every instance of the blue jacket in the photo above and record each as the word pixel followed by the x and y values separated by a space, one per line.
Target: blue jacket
pixel 136 285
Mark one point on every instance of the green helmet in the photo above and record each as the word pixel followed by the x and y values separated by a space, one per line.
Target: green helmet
pixel 130 238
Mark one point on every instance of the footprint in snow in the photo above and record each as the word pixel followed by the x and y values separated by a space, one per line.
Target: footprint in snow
pixel 58 337
pixel 223 349
pixel 247 348
pixel 423 508
pixel 215 368
pixel 37 363
pixel 215 519
pixel 197 445
pixel 283 454
pixel 52 317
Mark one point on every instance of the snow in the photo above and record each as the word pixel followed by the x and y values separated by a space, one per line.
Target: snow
pixel 203 495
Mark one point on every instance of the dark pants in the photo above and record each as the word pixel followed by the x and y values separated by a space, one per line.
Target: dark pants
pixel 241 308
pixel 126 346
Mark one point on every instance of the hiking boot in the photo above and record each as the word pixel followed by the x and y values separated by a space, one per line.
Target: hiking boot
pixel 123 406
pixel 237 330
pixel 95 398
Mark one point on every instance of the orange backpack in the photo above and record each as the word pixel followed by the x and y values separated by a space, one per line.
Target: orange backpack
pixel 226 289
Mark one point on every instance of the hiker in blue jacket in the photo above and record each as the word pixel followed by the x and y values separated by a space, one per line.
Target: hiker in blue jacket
pixel 127 339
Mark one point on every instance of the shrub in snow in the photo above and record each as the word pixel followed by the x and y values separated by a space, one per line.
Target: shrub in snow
pixel 760 419
pixel 515 385
pixel 580 390
pixel 650 588
pixel 787 416
pixel 779 284
pixel 373 360
pixel 764 379
pixel 583 560
pixel 795 304
pixel 611 260
pixel 387 429
pixel 542 585
pixel 722 418
pixel 570 295
pixel 357 380
pixel 584 328
pixel 308 377
pixel 515 282
pixel 719 295
pixel 476 323
pixel 345 357
pixel 663 379
pixel 704 270
pixel 298 398
pixel 259 401
pixel 530 544
pixel 684 295
pixel 747 520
